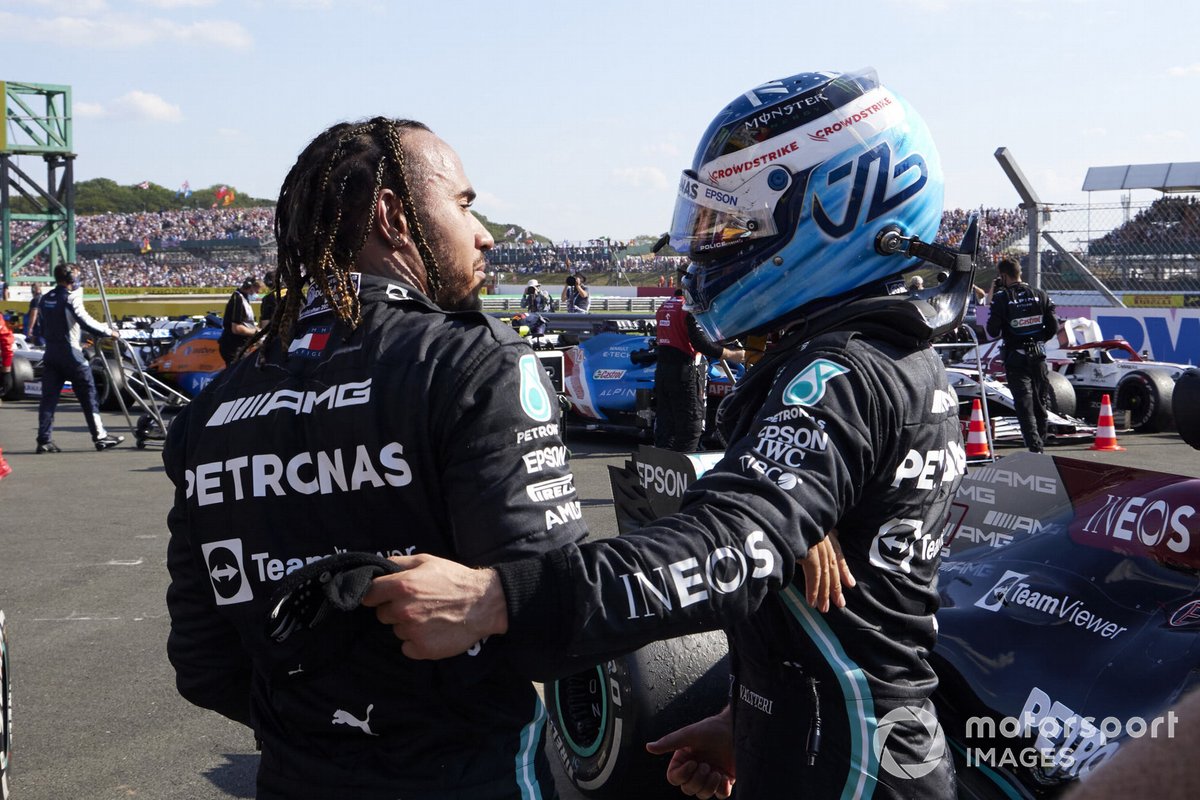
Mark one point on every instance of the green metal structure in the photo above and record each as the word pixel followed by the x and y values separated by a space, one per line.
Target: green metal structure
pixel 36 121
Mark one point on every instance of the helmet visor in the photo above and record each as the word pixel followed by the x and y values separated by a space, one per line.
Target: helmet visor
pixel 708 218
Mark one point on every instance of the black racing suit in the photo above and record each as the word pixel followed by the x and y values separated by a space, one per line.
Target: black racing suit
pixel 420 432
pixel 62 318
pixel 1025 317
pixel 854 429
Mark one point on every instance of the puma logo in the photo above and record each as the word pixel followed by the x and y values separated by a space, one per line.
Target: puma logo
pixel 346 718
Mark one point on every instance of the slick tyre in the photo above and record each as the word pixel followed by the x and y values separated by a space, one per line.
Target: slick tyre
pixel 1062 394
pixel 601 719
pixel 22 372
pixel 106 390
pixel 1146 395
pixel 1186 403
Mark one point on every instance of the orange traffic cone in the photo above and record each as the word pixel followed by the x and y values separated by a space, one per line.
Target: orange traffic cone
pixel 977 443
pixel 1106 430
pixel 5 469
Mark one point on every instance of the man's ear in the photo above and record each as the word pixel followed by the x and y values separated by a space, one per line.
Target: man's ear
pixel 390 221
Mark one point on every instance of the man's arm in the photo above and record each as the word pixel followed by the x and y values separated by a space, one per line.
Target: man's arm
pixel 708 347
pixel 737 537
pixel 85 320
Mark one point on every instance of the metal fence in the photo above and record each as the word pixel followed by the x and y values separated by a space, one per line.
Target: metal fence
pixel 1142 253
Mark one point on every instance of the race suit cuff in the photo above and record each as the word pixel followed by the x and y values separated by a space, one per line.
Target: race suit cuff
pixel 535 604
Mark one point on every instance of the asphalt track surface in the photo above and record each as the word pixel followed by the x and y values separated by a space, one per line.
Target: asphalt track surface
pixel 82 581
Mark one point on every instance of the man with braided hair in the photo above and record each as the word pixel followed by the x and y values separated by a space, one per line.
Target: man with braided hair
pixel 381 413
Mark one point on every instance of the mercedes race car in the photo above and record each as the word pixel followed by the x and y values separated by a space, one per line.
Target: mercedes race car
pixel 1069 622
pixel 1093 367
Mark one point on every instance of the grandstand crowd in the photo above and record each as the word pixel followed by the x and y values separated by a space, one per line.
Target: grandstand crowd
pixel 150 249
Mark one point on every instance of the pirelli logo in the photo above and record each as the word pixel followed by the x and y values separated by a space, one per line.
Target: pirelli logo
pixel 259 405
pixel 553 489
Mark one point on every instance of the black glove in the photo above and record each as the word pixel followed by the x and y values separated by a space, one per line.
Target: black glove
pixel 336 583
pixel 6 383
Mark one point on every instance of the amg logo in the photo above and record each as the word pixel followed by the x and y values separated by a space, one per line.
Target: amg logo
pixel 551 489
pixel 1038 483
pixel 1015 522
pixel 259 405
pixel 973 491
pixel 980 536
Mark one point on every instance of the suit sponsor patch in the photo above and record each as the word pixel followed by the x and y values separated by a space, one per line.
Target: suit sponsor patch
pixel 807 388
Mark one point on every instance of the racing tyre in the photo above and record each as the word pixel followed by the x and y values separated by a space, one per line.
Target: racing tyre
pixel 1146 395
pixel 22 371
pixel 106 397
pixel 5 711
pixel 1062 395
pixel 1186 404
pixel 601 719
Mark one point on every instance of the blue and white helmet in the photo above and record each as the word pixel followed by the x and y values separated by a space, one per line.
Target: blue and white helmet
pixel 790 186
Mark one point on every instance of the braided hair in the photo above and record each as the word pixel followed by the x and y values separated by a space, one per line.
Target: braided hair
pixel 326 212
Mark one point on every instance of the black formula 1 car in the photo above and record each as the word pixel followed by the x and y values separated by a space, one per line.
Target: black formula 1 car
pixel 1069 622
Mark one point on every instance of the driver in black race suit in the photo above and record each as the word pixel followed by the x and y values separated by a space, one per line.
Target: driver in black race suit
pixel 384 414
pixel 849 424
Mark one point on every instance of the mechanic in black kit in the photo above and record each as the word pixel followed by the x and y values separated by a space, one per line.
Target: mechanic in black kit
pixel 238 324
pixel 789 213
pixel 62 318
pixel 385 414
pixel 1025 318
pixel 681 375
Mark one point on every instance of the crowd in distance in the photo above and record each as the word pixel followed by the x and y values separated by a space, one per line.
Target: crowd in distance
pixel 155 257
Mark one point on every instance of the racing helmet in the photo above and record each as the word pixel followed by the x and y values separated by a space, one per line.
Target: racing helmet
pixel 789 189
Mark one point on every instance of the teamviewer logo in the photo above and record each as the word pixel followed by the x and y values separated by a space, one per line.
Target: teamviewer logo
pixel 227 572
pixel 993 600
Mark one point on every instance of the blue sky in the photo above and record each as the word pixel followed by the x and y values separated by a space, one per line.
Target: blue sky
pixel 575 119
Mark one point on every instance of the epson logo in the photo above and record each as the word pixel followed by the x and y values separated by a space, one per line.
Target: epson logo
pixel 552 489
pixel 664 481
pixel 259 405
pixel 789 444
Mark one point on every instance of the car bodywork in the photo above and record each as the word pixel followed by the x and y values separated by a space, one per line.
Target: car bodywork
pixel 1095 366
pixel 1068 622
pixel 603 367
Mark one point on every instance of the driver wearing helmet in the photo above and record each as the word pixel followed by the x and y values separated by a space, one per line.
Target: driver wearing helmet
pixel 793 213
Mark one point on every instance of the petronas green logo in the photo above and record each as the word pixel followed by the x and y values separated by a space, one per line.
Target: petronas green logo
pixel 807 388
pixel 535 400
